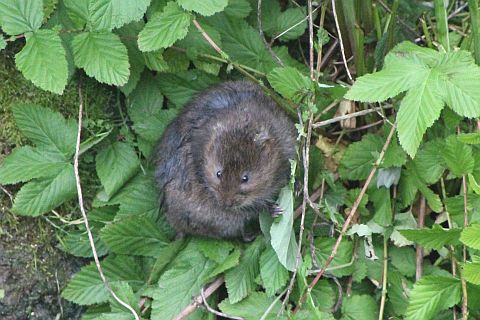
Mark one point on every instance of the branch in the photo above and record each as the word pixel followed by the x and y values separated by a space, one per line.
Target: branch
pixel 348 116
pixel 84 214
pixel 348 220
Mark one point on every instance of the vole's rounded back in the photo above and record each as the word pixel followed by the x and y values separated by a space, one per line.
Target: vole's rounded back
pixel 223 160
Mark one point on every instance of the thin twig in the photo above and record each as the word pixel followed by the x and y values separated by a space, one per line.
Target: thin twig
pixel 295 25
pixel 341 41
pixel 262 35
pixel 465 224
pixel 419 253
pixel 84 214
pixel 7 193
pixel 350 115
pixel 198 300
pixel 346 224
pixel 207 37
pixel 310 40
pixel 211 310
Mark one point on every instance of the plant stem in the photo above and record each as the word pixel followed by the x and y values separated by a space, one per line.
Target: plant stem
pixel 385 278
pixel 475 21
pixel 442 24
pixel 426 32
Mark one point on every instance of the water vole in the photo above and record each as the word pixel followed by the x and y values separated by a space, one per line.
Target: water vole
pixel 223 160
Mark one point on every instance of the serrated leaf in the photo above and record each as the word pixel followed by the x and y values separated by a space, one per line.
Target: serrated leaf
pixel 26 163
pixel 469 138
pixel 397 291
pixel 419 109
pixel 323 295
pixel 135 57
pixel 323 248
pixel 471 272
pixel 181 87
pixel 402 74
pixel 205 7
pixel 293 20
pixel 290 83
pixel 103 56
pixel 78 11
pixel 164 29
pixel 125 292
pixel 431 294
pixel 145 110
pixel 382 204
pixel 46 129
pixel 77 244
pixel 229 262
pixel 281 232
pixel 240 281
pixel 20 16
pixel 195 43
pixel 86 286
pixel 471 236
pixel 358 159
pixel 238 8
pixel 43 195
pixel 110 14
pixel 251 308
pixel 404 260
pixel 135 235
pixel 458 157
pixel 273 273
pixel 115 165
pixel 459 83
pixel 434 238
pixel 178 285
pixel 359 307
pixel 429 163
pixel 213 249
pixel 138 197
pixel 35 61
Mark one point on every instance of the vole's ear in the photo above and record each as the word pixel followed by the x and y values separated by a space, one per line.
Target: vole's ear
pixel 262 137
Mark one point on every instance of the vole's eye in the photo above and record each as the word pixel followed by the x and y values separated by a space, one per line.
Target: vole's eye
pixel 244 178
pixel 219 173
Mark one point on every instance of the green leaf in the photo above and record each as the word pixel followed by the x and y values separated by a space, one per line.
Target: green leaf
pixel 87 288
pixel 110 14
pixel 145 110
pixel 3 43
pixel 434 238
pixel 458 157
pixel 103 56
pixel 273 273
pixel 359 307
pixel 238 8
pixel 178 285
pixel 419 109
pixel 429 163
pixel 252 308
pixel 229 262
pixel 195 43
pixel 382 204
pixel 164 29
pixel 471 236
pixel 431 294
pixel 469 138
pixel 45 194
pixel 42 60
pixel 459 83
pixel 20 16
pixel 404 260
pixel 402 74
pixel 138 196
pixel 135 235
pixel 292 17
pixel 281 232
pixel 77 243
pixel 290 83
pixel 125 292
pixel 323 248
pixel 358 160
pixel 26 163
pixel 213 249
pixel 46 129
pixel 205 7
pixel 181 87
pixel 323 296
pixel 116 164
pixel 78 12
pixel 240 281
pixel 471 272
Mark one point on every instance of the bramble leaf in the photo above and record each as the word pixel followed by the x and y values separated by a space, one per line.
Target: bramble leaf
pixel 290 83
pixel 204 7
pixel 164 29
pixel 103 56
pixel 434 238
pixel 273 273
pixel 458 157
pixel 20 16
pixel 471 236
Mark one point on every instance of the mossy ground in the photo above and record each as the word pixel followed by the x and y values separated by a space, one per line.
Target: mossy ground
pixel 33 270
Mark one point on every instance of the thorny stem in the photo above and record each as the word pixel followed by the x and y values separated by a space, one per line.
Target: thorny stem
pixel 84 214
pixel 346 224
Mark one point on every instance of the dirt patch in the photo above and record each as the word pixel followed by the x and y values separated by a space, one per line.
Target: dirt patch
pixel 33 271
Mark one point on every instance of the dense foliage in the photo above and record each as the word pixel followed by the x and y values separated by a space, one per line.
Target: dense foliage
pixel 411 249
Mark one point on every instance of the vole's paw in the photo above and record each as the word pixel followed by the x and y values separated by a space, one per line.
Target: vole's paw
pixel 276 211
pixel 248 236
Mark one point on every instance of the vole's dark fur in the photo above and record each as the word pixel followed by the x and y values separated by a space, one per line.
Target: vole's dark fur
pixel 233 130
